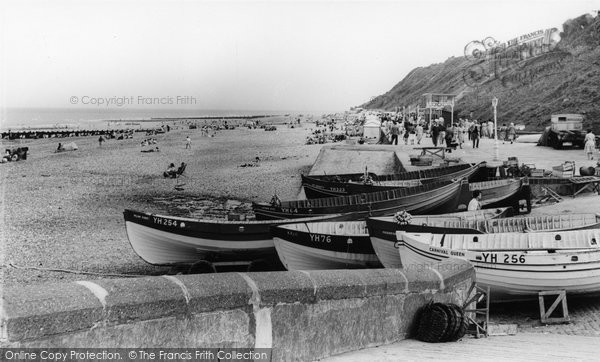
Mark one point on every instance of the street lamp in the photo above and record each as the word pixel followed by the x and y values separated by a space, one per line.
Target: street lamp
pixel 495 104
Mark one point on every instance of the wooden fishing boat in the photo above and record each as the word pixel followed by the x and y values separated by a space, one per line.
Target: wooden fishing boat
pixel 324 245
pixel 382 230
pixel 514 264
pixel 495 191
pixel 164 240
pixel 320 186
pixel 431 198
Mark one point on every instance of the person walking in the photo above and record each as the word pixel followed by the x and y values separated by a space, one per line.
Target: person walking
pixel 442 137
pixel 419 132
pixel 100 140
pixel 474 131
pixel 502 133
pixel 461 133
pixel 435 133
pixel 511 133
pixel 395 130
pixel 590 144
pixel 188 142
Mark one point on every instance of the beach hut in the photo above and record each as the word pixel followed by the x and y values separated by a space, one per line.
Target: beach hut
pixel 372 128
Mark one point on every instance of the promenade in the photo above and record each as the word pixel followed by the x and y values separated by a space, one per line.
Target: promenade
pixel 520 347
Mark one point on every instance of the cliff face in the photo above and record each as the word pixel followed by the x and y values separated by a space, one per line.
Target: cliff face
pixel 564 78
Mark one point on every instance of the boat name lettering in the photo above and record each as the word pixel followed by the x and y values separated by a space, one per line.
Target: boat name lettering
pixel 164 221
pixel 337 189
pixel 437 250
pixel 456 253
pixel 320 238
pixel 289 210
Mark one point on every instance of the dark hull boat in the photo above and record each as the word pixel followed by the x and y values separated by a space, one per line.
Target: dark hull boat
pixel 324 245
pixel 167 240
pixel 431 198
pixel 382 230
pixel 320 186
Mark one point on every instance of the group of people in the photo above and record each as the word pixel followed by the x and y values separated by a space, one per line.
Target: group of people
pixel 455 135
pixel 173 172
pixel 410 130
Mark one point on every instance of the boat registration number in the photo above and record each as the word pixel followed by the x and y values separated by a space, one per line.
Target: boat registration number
pixel 319 238
pixel 165 221
pixel 503 258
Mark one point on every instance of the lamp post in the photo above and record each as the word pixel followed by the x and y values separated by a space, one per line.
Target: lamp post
pixel 495 104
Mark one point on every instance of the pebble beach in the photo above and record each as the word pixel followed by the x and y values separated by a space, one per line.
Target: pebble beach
pixel 62 213
pixel 65 210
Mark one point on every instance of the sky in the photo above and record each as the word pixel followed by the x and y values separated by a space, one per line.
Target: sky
pixel 302 56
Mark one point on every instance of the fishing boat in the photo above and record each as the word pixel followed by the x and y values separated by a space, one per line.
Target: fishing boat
pixel 324 245
pixel 382 230
pixel 320 186
pixel 495 191
pixel 431 198
pixel 166 240
pixel 514 264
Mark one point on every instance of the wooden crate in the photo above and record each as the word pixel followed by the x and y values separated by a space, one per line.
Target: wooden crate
pixel 537 172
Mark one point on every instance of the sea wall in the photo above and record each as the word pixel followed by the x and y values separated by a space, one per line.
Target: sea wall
pixel 300 315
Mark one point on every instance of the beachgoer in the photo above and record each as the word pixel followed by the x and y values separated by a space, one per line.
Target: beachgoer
pixel 474 131
pixel 491 130
pixel 188 142
pixel 171 171
pixel 407 127
pixel 435 133
pixel 60 147
pixel 450 141
pixel 590 144
pixel 442 136
pixel 395 130
pixel 502 133
pixel 419 132
pixel 460 130
pixel 100 140
pixel 475 203
pixel 512 133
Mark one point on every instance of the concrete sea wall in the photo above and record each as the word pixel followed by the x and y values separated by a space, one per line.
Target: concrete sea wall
pixel 301 315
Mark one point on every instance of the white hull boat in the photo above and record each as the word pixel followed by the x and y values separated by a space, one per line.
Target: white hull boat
pixel 513 264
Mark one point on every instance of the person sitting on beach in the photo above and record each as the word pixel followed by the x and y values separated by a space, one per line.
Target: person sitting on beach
pixel 171 171
pixel 475 203
pixel 59 148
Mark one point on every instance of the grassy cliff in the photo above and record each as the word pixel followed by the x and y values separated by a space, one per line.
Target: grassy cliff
pixel 565 79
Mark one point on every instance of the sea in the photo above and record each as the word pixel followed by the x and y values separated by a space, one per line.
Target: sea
pixel 82 118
